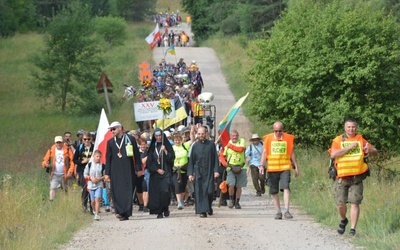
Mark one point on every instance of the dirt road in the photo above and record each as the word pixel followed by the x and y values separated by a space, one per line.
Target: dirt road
pixel 252 227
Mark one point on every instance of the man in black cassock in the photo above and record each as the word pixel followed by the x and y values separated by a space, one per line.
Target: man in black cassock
pixel 160 160
pixel 202 169
pixel 121 170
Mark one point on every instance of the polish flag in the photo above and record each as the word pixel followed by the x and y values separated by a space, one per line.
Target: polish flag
pixel 154 38
pixel 102 136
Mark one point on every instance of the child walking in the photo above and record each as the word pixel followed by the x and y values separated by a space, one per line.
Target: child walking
pixel 94 173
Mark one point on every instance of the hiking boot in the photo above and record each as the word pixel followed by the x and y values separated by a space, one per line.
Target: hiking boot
pixel 278 216
pixel 230 203
pixel 237 205
pixel 288 215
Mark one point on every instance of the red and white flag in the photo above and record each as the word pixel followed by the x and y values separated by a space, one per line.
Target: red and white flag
pixel 154 38
pixel 102 136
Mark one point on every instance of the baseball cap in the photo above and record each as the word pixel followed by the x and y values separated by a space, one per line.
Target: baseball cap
pixel 58 139
pixel 115 124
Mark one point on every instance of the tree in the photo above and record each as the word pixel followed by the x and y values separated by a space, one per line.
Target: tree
pixel 135 10
pixel 326 62
pixel 70 64
pixel 112 29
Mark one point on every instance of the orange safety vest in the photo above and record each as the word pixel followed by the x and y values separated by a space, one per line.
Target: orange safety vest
pixel 278 152
pixel 351 163
pixel 197 109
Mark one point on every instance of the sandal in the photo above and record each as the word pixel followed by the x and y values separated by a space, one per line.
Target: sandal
pixel 352 232
pixel 342 226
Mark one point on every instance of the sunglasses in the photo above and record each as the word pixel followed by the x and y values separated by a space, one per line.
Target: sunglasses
pixel 86 139
pixel 278 131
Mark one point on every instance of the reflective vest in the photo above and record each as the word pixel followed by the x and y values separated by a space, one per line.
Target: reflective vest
pixel 351 163
pixel 278 152
pixel 233 157
pixel 197 109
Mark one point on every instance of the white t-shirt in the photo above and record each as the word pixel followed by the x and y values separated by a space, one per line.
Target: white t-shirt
pixel 59 170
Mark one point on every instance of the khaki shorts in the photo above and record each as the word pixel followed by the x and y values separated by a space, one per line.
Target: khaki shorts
pixel 237 180
pixel 58 181
pixel 348 190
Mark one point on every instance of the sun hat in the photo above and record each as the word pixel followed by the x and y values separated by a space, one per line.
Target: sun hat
pixel 58 139
pixel 255 137
pixel 115 124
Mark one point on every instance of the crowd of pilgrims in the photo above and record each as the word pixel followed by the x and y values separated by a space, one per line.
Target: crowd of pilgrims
pixel 169 80
pixel 180 190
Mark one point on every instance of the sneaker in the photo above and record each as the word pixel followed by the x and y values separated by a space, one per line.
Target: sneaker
pixel 160 216
pixel 146 209
pixel 108 209
pixel 278 216
pixel 211 212
pixel 203 215
pixel 352 232
pixel 180 205
pixel 288 215
pixel 230 203
pixel 237 206
pixel 140 207
pixel 258 194
pixel 97 217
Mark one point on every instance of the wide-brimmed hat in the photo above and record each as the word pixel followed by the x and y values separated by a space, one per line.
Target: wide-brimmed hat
pixel 255 137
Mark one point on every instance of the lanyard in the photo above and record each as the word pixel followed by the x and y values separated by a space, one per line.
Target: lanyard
pixel 119 146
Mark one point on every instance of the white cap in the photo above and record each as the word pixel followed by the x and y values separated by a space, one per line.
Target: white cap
pixel 58 139
pixel 167 133
pixel 115 124
pixel 181 127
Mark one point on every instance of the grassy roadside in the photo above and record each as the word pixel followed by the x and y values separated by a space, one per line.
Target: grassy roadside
pixel 30 221
pixel 379 223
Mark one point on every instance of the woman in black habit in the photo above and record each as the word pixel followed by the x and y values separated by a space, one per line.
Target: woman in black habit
pixel 160 161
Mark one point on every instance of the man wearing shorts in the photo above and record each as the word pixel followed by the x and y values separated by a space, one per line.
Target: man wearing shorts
pixel 236 169
pixel 280 157
pixel 349 151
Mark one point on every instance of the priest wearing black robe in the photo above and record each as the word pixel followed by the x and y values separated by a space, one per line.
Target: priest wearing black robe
pixel 202 169
pixel 122 162
pixel 160 160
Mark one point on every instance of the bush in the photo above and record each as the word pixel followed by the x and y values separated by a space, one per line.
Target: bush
pixel 112 29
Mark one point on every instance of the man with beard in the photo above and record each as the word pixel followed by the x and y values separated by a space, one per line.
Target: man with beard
pixel 160 160
pixel 203 168
pixel 122 162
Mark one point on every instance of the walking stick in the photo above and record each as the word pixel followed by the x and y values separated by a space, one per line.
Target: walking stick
pixel 220 191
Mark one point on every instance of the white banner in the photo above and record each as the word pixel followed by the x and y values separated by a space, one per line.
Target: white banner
pixel 146 111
